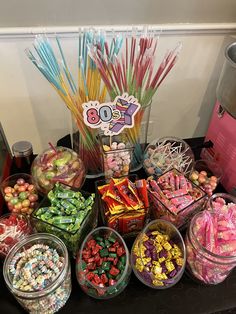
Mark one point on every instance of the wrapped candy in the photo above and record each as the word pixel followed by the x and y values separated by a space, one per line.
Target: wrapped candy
pixel 173 197
pixel 158 255
pixel 103 264
pixel 124 204
pixel 67 214
pixel 211 240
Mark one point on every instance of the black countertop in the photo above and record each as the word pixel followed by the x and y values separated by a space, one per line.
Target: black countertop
pixel 186 297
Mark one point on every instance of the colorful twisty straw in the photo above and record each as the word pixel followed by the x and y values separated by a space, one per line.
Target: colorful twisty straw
pixel 89 85
pixel 133 72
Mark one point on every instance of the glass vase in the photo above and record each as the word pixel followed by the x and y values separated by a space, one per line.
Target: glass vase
pixel 87 145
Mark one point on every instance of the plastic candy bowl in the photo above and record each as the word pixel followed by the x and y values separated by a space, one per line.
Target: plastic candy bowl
pixel 158 255
pixel 37 272
pixel 166 153
pixel 103 264
pixel 13 228
pixel 19 193
pixel 60 165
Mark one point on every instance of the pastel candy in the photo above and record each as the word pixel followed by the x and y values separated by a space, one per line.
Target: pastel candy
pixel 116 160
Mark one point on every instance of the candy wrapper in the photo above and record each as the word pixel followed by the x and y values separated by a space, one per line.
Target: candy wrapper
pixel 124 204
pixel 175 198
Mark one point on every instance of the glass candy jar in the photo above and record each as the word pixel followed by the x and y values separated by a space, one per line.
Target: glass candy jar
pixel 47 289
pixel 210 244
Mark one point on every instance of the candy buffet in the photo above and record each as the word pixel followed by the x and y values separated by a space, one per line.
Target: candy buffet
pixel 109 222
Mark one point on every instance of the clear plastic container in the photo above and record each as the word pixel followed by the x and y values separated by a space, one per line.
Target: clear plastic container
pixel 139 251
pixel 72 240
pixel 202 264
pixel 117 154
pixel 206 174
pixel 87 286
pixel 52 297
pixel 21 199
pixel 166 153
pixel 180 220
pixel 60 165
pixel 13 228
pixel 129 223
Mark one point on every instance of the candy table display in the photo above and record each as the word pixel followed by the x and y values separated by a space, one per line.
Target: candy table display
pixel 103 264
pixel 37 272
pixel 13 229
pixel 206 174
pixel 166 153
pixel 117 155
pixel 158 255
pixel 211 240
pixel 19 193
pixel 68 213
pixel 58 164
pixel 175 198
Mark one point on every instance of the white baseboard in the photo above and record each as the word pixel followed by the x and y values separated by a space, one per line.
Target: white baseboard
pixel 163 29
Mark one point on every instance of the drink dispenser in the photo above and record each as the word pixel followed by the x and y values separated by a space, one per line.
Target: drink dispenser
pixel 222 127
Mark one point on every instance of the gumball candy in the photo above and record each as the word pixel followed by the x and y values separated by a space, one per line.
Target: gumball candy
pixel 31 188
pixel 201 179
pixel 213 178
pixel 8 190
pixel 22 188
pixel 209 175
pixel 194 176
pixel 33 197
pixel 16 187
pixel 18 206
pixel 18 191
pixel 26 203
pixel 8 197
pixel 20 181
pixel 14 201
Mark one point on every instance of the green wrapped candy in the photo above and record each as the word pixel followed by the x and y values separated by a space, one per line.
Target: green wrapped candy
pixel 62 220
pixel 65 194
pixel 78 204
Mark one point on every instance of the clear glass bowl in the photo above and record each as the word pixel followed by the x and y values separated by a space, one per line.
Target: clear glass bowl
pixel 12 231
pixel 166 153
pixel 206 174
pixel 15 199
pixel 87 286
pixel 72 240
pixel 62 166
pixel 52 297
pixel 139 260
pixel 203 265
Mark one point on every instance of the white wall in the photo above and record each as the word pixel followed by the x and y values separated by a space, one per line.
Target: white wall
pixel 30 108
pixel 16 13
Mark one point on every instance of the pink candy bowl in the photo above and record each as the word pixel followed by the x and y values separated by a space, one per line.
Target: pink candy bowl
pixel 212 229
